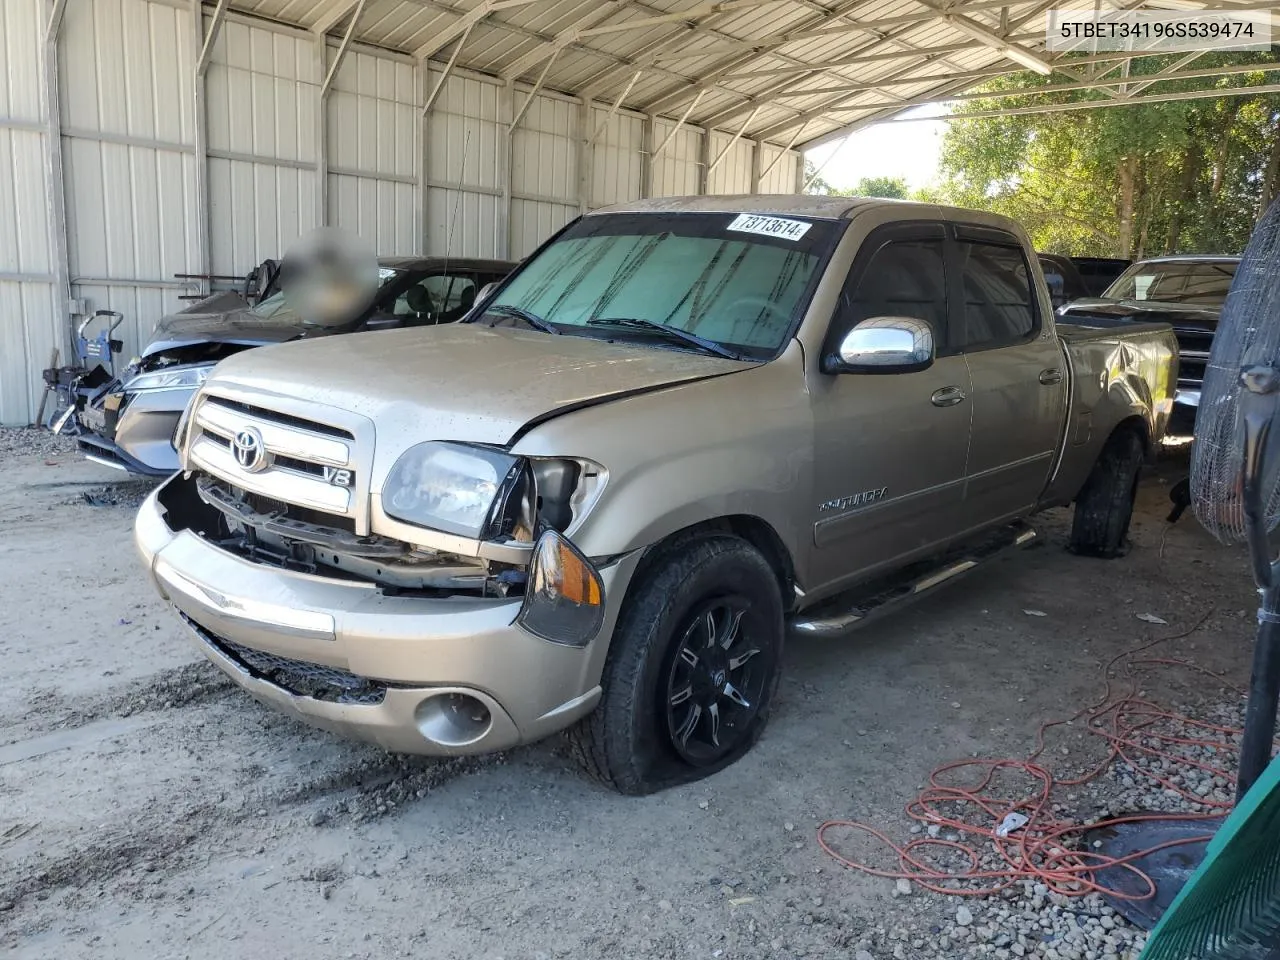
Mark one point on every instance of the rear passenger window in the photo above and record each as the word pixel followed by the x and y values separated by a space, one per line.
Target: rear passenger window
pixel 999 307
pixel 904 278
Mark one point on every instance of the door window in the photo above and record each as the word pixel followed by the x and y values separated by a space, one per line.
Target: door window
pixel 999 306
pixel 441 297
pixel 904 278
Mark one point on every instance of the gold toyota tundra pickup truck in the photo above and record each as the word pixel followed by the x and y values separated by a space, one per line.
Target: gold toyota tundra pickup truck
pixel 678 431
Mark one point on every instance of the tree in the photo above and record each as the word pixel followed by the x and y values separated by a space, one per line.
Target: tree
pixel 1134 181
pixel 894 188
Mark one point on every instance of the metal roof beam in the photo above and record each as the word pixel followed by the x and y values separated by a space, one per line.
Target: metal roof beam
pixel 680 16
pixel 985 35
pixel 53 26
pixel 1209 93
pixel 709 80
pixel 434 95
pixel 335 16
pixel 465 21
pixel 342 49
pixel 782 152
pixel 729 146
pixel 613 109
pixel 563 38
pixel 1100 85
pixel 676 129
pixel 822 109
pixel 210 37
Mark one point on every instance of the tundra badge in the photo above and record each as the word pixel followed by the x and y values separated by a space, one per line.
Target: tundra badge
pixel 853 500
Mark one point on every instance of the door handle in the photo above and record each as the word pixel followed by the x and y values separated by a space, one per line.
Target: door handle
pixel 1052 375
pixel 947 397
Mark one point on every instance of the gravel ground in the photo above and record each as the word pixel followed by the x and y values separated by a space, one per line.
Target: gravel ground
pixel 148 808
pixel 28 442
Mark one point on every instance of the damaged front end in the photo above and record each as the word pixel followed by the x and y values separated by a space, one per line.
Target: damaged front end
pixel 129 422
pixel 450 521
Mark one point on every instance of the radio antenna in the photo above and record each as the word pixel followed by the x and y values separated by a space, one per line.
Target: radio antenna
pixel 457 205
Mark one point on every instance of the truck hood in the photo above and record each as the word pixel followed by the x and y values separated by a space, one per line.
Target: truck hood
pixel 1190 317
pixel 462 381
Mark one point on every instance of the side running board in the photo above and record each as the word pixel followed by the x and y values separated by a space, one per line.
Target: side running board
pixel 844 613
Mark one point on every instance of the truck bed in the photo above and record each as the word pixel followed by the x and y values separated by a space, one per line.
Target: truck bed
pixel 1115 374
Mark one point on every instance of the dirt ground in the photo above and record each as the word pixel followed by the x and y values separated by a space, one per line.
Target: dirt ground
pixel 149 809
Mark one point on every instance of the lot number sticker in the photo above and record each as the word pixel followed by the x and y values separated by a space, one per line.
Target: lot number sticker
pixel 770 226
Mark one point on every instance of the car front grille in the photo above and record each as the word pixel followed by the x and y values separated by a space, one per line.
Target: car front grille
pixel 298 677
pixel 304 465
pixel 284 419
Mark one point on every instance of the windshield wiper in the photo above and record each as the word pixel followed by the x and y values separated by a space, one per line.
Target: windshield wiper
pixel 532 319
pixel 670 332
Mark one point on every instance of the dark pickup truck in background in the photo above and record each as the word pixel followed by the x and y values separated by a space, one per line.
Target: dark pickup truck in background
pixel 1070 278
pixel 1186 292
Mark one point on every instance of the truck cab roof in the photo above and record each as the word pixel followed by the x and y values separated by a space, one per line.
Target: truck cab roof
pixel 804 205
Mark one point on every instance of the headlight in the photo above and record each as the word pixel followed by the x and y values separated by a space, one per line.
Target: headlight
pixel 564 599
pixel 453 487
pixel 174 378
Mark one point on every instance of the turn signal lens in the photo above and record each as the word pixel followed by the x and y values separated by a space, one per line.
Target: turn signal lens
pixel 564 601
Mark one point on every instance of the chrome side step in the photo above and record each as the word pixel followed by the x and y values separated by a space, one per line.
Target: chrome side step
pixel 844 613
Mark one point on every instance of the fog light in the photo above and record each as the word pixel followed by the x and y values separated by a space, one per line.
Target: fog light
pixel 453 719
pixel 564 601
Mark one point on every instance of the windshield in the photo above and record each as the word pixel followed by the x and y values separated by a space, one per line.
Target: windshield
pixel 740 281
pixel 274 310
pixel 1204 283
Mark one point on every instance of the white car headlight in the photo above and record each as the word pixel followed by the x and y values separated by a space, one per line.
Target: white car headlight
pixel 453 487
pixel 173 378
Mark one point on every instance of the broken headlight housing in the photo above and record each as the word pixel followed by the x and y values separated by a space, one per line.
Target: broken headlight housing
pixel 484 493
pixel 171 378
pixel 453 487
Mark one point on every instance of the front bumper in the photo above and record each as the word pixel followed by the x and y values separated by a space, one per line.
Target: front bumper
pixel 134 431
pixel 380 668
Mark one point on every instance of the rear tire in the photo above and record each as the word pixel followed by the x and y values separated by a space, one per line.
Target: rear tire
pixel 692 668
pixel 1104 506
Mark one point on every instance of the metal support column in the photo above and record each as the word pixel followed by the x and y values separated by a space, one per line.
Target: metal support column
pixel 757 158
pixel 704 161
pixel 506 112
pixel 585 152
pixel 800 178
pixel 322 132
pixel 204 41
pixel 55 196
pixel 647 137
pixel 423 73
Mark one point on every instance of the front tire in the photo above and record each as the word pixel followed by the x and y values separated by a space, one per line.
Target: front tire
pixel 1104 507
pixel 693 665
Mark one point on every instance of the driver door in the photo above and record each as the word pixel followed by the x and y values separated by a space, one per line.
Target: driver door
pixel 890 448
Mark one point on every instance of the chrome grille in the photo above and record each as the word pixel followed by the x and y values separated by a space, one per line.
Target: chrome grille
pixel 296 456
pixel 284 419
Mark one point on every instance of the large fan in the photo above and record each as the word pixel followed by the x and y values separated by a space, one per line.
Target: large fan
pixel 1230 907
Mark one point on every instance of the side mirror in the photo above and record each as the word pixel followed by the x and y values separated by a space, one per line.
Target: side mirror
pixel 884 345
pixel 486 290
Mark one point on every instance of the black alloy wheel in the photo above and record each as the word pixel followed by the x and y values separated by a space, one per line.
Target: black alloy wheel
pixel 715 682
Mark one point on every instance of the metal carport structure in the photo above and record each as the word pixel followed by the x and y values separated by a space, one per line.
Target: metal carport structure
pixel 148 138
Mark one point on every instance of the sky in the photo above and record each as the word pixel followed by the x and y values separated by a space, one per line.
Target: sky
pixel 907 150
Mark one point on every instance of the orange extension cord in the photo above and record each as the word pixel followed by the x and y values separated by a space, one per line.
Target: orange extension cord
pixel 1041 849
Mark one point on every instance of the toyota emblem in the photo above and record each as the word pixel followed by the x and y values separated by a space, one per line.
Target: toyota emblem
pixel 249 451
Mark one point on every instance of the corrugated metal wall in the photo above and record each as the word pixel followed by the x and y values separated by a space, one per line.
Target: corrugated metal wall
pixel 261 92
pixel 128 146
pixel 28 330
pixel 127 96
